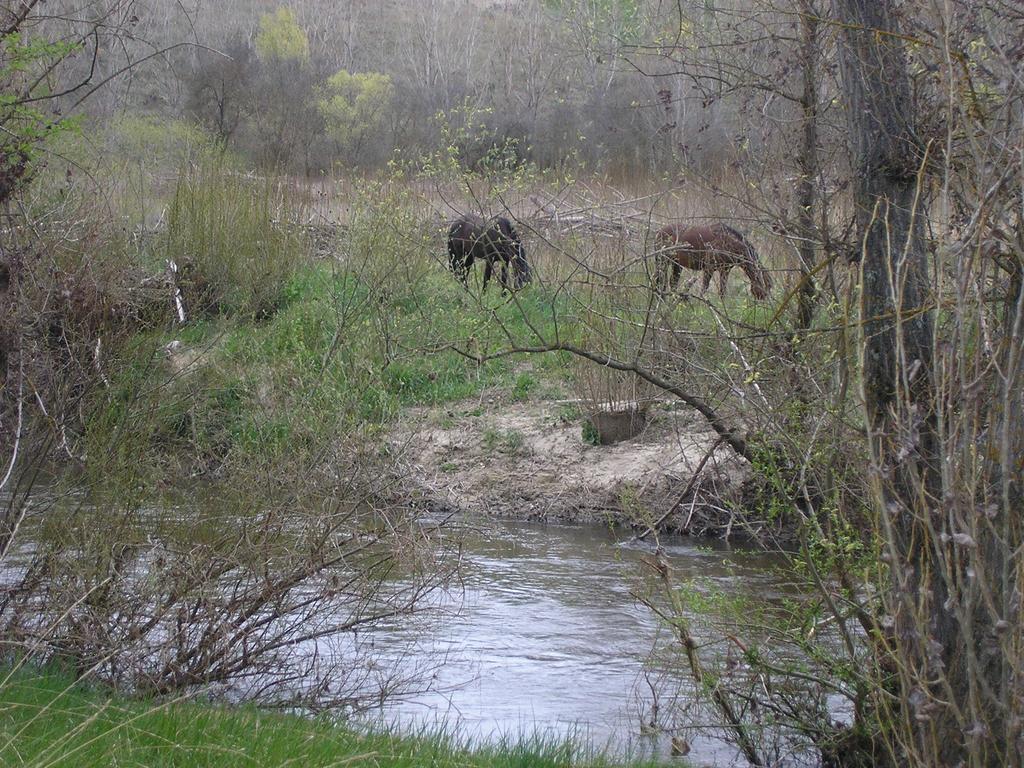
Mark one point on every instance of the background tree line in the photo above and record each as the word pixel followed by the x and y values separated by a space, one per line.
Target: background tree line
pixel 545 77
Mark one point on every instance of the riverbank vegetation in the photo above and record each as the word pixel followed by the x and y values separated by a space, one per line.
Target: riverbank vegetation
pixel 219 297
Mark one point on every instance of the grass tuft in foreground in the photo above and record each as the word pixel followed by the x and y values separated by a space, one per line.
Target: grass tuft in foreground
pixel 47 720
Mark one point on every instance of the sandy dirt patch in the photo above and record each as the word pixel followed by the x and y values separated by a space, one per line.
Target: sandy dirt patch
pixel 529 461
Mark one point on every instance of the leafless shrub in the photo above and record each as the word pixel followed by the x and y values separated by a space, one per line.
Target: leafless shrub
pixel 250 596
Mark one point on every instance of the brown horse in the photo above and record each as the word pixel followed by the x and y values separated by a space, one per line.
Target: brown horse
pixel 713 248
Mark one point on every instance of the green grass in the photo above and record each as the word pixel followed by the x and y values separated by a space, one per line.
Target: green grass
pixel 338 354
pixel 286 354
pixel 283 353
pixel 524 386
pixel 509 441
pixel 45 720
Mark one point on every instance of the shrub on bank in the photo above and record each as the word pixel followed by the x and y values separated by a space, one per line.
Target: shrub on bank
pixel 225 234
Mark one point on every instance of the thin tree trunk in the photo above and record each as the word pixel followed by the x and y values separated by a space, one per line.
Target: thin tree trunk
pixel 807 162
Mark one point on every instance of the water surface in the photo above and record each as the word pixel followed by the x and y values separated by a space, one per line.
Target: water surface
pixel 544 635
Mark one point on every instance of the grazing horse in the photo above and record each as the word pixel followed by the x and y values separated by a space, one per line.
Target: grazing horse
pixel 471 238
pixel 714 248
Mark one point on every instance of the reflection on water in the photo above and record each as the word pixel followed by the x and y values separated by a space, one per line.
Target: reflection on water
pixel 546 637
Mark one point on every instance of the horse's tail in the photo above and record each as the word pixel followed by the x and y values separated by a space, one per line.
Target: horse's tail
pixel 519 261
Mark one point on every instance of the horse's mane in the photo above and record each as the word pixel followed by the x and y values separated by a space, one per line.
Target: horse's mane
pixel 734 232
pixel 755 260
pixel 519 262
pixel 464 225
pixel 522 266
pixel 747 245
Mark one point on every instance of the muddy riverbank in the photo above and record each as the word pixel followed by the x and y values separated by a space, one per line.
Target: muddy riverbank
pixel 531 461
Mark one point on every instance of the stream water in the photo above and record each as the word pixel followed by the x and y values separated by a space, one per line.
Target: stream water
pixel 544 637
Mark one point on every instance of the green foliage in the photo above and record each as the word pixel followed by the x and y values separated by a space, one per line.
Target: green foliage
pixel 599 18
pixel 48 719
pixel 632 505
pixel 507 441
pixel 280 38
pixel 525 385
pixel 133 159
pixel 353 105
pixel 591 435
pixel 24 91
pixel 282 355
pixel 703 597
pixel 834 545
pixel 568 413
pixel 776 503
pixel 158 143
pixel 242 390
pixel 471 146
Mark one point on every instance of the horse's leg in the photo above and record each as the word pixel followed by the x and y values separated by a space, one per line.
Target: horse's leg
pixel 487 272
pixel 705 282
pixel 661 273
pixel 723 277
pixel 504 276
pixel 676 271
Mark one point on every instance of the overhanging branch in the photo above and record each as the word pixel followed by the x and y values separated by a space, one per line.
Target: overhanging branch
pixel 729 435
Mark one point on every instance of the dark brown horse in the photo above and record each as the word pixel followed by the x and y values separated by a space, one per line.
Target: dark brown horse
pixel 495 242
pixel 713 248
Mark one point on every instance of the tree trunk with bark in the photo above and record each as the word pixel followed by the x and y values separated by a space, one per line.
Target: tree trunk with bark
pixel 927 648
